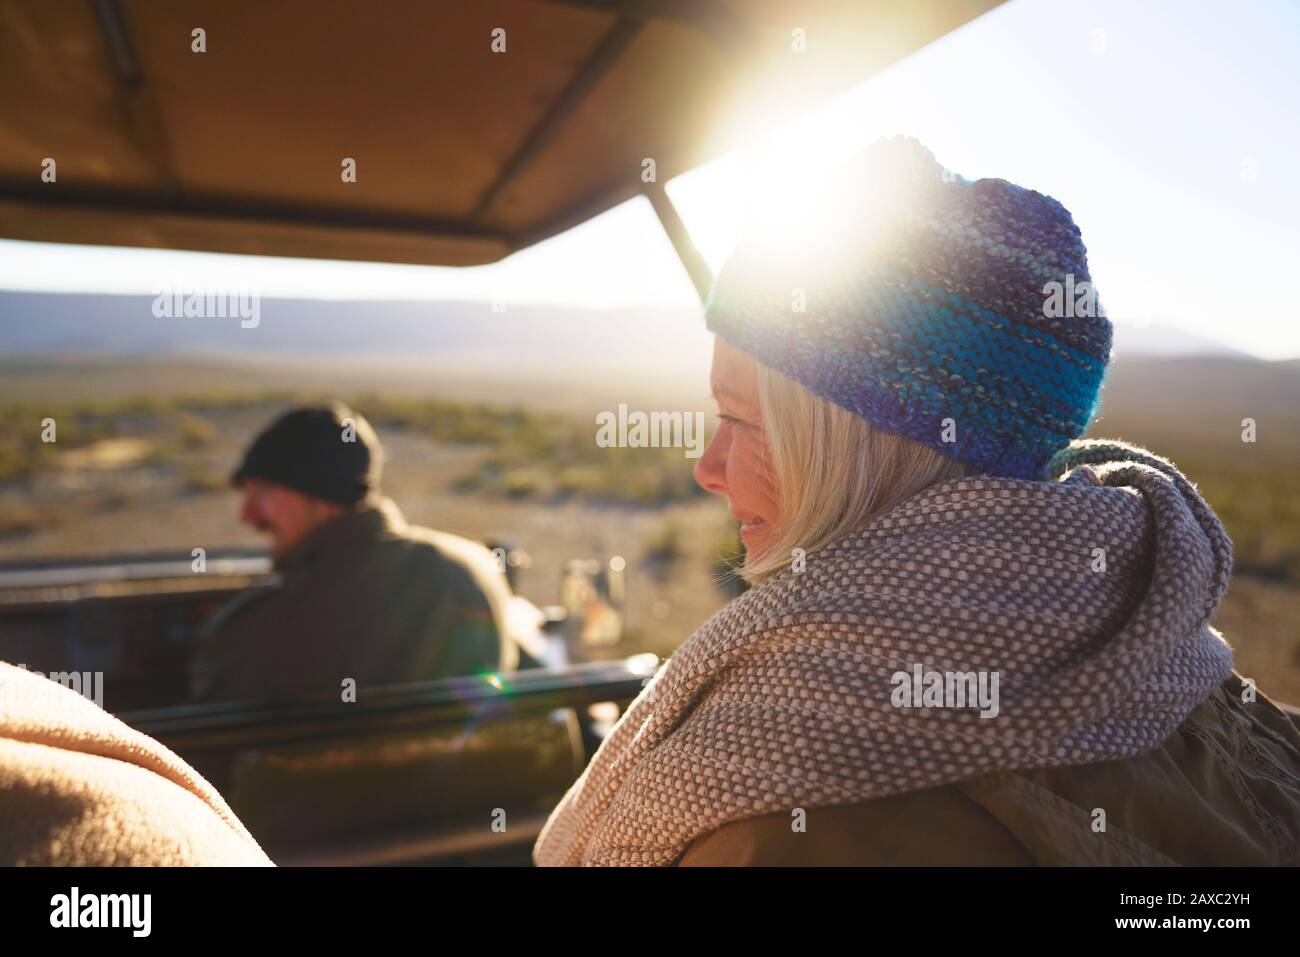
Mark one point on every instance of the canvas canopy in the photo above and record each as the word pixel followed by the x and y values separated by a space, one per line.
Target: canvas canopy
pixel 476 128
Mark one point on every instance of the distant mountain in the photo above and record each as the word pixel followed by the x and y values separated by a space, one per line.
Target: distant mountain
pixel 1163 341
pixel 1200 401
pixel 51 345
pixel 113 343
pixel 109 325
pixel 106 325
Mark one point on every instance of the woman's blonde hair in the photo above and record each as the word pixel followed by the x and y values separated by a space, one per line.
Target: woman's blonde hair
pixel 832 470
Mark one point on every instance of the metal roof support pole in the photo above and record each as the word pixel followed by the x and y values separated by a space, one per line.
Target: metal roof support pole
pixel 696 267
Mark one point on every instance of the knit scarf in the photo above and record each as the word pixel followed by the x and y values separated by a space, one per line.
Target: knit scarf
pixel 1089 595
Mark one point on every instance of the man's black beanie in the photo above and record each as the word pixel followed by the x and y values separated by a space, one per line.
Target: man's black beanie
pixel 329 452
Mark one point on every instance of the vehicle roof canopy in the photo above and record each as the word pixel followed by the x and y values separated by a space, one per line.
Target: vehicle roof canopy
pixel 463 154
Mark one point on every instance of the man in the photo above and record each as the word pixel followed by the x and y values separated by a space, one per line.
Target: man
pixel 360 594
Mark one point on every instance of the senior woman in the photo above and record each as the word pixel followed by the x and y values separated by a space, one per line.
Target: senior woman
pixel 972 639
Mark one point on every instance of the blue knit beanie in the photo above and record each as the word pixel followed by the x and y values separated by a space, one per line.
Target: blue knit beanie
pixel 959 314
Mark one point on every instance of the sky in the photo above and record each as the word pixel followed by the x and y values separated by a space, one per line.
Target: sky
pixel 1169 128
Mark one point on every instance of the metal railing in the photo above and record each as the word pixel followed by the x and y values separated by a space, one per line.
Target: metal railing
pixel 244 723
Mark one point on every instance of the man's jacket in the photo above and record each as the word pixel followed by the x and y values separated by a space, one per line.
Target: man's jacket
pixel 366 597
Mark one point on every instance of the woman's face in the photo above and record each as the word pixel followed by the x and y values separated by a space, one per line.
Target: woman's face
pixel 738 464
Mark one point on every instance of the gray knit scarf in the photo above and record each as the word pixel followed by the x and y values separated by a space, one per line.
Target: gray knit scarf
pixel 1089 595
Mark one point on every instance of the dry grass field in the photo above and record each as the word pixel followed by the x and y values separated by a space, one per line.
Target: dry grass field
pixel 144 449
